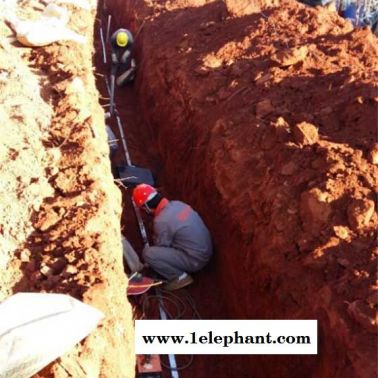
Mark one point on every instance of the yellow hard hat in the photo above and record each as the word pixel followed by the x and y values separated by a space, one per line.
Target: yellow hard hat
pixel 122 39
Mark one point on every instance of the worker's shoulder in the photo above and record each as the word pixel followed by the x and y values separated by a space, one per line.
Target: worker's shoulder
pixel 170 210
pixel 178 205
pixel 177 202
pixel 181 211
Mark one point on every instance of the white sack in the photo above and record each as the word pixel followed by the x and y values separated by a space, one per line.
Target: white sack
pixel 79 3
pixel 37 328
pixel 49 28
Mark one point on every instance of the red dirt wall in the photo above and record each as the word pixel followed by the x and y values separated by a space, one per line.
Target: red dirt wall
pixel 266 124
pixel 60 210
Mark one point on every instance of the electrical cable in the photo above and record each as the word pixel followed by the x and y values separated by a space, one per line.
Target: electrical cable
pixel 180 307
pixel 192 304
pixel 157 283
pixel 179 310
pixel 174 297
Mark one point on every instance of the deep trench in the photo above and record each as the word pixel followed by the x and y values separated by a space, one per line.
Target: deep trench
pixel 144 152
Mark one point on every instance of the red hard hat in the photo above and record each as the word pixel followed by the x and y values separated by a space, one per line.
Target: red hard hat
pixel 142 193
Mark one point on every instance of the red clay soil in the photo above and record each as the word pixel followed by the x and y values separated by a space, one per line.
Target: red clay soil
pixel 62 209
pixel 266 123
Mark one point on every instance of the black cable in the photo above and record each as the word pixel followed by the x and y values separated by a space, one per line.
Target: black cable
pixel 192 304
pixel 180 309
pixel 174 297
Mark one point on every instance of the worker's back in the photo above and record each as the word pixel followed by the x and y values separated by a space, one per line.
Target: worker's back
pixel 180 227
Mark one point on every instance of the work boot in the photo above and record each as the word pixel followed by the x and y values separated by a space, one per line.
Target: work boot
pixel 179 283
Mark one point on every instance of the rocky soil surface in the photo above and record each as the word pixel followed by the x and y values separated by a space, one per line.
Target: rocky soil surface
pixel 59 209
pixel 265 120
pixel 264 117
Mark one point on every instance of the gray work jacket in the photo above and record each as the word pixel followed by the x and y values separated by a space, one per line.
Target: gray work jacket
pixel 179 226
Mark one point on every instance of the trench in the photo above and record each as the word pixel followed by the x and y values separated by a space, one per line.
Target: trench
pixel 213 301
pixel 247 278
pixel 144 152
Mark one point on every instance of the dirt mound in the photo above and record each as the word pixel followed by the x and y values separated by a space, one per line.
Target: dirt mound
pixel 267 124
pixel 59 208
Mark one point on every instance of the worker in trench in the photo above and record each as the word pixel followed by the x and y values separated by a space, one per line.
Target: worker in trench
pixel 123 67
pixel 182 242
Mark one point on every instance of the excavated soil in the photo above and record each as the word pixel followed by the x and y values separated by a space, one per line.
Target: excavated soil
pixel 263 118
pixel 60 210
pixel 266 123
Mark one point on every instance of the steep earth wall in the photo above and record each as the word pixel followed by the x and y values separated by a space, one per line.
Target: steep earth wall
pixel 59 209
pixel 266 123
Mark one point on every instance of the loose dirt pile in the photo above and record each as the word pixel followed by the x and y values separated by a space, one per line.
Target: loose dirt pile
pixel 59 208
pixel 266 123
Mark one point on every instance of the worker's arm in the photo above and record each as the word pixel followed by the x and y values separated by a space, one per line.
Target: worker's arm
pixel 125 56
pixel 114 51
pixel 162 235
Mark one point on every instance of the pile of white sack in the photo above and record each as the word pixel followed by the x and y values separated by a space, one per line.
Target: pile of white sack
pixel 49 28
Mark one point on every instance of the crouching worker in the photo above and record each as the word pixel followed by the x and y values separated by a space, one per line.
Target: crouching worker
pixel 123 65
pixel 182 242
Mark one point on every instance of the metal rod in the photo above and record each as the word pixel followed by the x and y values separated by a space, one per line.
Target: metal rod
pixel 142 228
pixel 171 357
pixel 139 30
pixel 112 88
pixel 120 128
pixel 103 45
pixel 133 275
pixel 126 178
pixel 108 28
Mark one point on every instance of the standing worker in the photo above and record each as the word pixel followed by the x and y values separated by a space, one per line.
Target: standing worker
pixel 182 242
pixel 123 65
